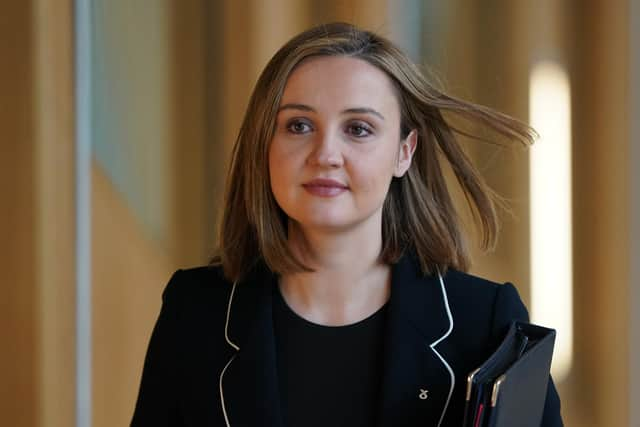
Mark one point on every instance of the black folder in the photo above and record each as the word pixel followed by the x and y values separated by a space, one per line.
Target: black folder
pixel 509 389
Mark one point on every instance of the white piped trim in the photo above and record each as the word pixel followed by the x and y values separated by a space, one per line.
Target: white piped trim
pixel 235 347
pixel 438 341
pixel 224 410
pixel 226 323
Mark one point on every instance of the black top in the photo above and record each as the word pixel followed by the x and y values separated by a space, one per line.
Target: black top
pixel 328 375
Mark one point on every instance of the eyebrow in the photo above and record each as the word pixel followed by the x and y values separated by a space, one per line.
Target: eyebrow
pixel 356 110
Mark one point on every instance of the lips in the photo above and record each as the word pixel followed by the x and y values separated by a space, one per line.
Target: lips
pixel 324 187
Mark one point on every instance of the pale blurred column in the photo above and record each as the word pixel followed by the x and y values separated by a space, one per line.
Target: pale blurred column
pixel 550 182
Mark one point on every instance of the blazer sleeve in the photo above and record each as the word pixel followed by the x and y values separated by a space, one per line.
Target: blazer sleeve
pixel 157 403
pixel 507 308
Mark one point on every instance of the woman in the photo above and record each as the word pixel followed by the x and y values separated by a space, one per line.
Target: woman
pixel 338 297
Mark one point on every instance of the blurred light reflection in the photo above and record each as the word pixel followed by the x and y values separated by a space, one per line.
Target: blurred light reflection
pixel 550 185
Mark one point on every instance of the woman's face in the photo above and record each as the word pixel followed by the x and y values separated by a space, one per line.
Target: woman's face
pixel 337 144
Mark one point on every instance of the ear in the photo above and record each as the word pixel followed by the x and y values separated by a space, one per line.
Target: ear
pixel 407 148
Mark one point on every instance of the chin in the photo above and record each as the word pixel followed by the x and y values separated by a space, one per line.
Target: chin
pixel 338 219
pixel 333 224
pixel 324 223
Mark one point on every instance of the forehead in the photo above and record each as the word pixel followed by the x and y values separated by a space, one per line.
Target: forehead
pixel 340 82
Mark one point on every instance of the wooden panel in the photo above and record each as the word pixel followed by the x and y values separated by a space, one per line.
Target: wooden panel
pixel 371 15
pixel 601 211
pixel 55 222
pixel 274 23
pixel 18 308
pixel 187 162
pixel 236 57
pixel 634 195
pixel 500 80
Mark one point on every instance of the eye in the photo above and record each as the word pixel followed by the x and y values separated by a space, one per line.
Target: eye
pixel 359 129
pixel 298 126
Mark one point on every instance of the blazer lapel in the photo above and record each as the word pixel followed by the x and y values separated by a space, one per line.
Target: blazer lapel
pixel 249 383
pixel 417 380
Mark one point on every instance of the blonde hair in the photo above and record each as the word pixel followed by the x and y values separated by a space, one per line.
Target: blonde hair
pixel 418 213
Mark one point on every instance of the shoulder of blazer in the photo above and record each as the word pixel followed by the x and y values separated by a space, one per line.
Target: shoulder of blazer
pixel 191 285
pixel 209 303
pixel 468 282
pixel 198 299
pixel 478 295
pixel 483 309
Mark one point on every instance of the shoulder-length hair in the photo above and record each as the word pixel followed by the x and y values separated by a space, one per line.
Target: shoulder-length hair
pixel 418 214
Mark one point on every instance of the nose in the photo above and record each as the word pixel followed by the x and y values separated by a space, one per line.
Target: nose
pixel 326 151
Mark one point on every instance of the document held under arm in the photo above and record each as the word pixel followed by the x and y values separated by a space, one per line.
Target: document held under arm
pixel 509 389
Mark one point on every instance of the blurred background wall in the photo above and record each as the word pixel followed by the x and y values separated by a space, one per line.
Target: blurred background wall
pixel 169 83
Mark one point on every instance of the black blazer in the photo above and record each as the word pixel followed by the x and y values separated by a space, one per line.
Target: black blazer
pixel 211 360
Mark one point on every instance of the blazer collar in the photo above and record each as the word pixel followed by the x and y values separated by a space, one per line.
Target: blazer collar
pixel 417 380
pixel 249 383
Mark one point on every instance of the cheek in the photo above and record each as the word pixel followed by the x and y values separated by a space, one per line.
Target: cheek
pixel 379 166
pixel 277 160
pixel 272 160
pixel 274 172
pixel 372 178
pixel 280 155
pixel 282 169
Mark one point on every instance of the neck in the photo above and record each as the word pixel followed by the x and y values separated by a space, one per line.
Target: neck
pixel 348 283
